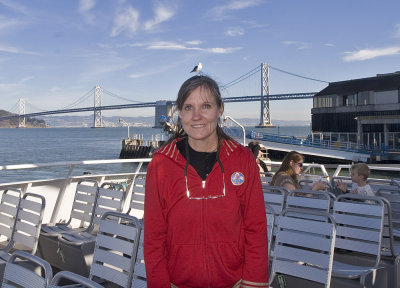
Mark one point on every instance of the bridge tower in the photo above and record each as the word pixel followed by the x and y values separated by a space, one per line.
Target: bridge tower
pixel 98 120
pixel 265 118
pixel 21 119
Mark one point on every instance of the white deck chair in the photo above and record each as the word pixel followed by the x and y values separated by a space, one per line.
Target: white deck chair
pixel 27 227
pixel 81 213
pixel 270 214
pixel 139 273
pixel 393 196
pixel 390 252
pixel 377 184
pixel 75 250
pixel 275 196
pixel 73 279
pixel 9 204
pixel 116 249
pixel 136 205
pixel 359 233
pixel 20 271
pixel 304 248
pixel 266 177
pixel 81 217
pixel 318 201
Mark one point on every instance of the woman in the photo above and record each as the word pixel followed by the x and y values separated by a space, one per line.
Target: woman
pixel 286 176
pixel 255 147
pixel 205 223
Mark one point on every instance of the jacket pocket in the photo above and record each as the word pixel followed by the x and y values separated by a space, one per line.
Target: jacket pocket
pixel 186 266
pixel 227 262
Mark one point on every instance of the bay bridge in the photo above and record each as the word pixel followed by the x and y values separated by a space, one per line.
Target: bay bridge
pixel 165 107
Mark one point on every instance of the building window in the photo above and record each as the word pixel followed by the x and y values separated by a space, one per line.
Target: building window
pixel 349 100
pixel 365 98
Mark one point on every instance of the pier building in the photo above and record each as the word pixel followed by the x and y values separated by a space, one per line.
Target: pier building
pixel 364 111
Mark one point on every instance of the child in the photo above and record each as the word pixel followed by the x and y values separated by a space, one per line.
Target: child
pixel 359 176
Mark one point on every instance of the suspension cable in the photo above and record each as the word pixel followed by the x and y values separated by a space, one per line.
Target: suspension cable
pixel 119 97
pixel 297 75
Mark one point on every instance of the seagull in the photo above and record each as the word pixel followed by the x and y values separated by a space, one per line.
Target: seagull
pixel 197 68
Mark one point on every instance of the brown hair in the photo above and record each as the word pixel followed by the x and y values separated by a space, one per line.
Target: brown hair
pixel 186 89
pixel 361 169
pixel 285 166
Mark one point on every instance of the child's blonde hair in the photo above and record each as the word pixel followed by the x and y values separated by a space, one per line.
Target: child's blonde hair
pixel 361 169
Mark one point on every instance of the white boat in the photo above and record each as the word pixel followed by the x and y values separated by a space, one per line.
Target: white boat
pixel 59 192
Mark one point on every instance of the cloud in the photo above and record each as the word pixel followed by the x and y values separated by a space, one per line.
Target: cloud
pixel 220 12
pixel 366 54
pixel 14 50
pixel 6 23
pixel 162 13
pixel 15 6
pixel 234 31
pixel 160 69
pixel 300 45
pixel 163 45
pixel 329 45
pixel 85 6
pixel 127 20
pixel 194 42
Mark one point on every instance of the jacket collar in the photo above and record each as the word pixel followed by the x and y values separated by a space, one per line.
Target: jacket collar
pixel 227 148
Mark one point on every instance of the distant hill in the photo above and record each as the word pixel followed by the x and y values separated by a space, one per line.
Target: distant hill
pixel 13 122
pixel 113 121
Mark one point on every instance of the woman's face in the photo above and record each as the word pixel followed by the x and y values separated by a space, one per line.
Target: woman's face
pixel 199 117
pixel 296 166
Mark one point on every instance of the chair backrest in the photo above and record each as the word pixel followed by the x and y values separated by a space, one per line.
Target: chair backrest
pixel 377 184
pixel 110 197
pixel 29 222
pixel 18 275
pixel 275 196
pixel 393 198
pixel 9 204
pixel 387 234
pixel 359 221
pixel 304 247
pixel 83 205
pixel 74 278
pixel 318 201
pixel 139 273
pixel 115 249
pixel 136 206
pixel 270 214
pixel 266 177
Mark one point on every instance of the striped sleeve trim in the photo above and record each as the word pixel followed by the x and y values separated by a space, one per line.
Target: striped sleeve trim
pixel 249 284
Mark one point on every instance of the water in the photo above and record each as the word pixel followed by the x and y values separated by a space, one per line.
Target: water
pixel 46 145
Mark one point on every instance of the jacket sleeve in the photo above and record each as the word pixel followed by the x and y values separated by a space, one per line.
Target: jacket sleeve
pixel 155 232
pixel 255 270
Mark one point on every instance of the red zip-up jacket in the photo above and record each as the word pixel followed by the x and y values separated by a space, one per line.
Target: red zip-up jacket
pixel 205 243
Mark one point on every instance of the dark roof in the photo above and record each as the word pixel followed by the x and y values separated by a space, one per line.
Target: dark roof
pixel 381 82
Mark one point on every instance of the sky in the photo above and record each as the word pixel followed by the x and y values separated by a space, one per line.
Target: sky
pixel 53 52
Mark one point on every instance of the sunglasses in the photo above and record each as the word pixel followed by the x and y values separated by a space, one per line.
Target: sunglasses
pixel 205 197
pixel 299 164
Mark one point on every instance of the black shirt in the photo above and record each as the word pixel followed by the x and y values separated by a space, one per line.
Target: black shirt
pixel 202 162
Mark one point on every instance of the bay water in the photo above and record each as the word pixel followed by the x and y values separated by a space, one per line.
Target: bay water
pixel 46 145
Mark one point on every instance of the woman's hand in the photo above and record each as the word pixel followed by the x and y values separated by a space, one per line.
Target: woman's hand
pixel 319 185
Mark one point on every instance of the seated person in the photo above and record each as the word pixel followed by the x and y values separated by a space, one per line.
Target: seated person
pixel 286 176
pixel 359 175
pixel 255 147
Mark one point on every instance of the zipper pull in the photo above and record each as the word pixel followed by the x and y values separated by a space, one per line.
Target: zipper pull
pixel 203 183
